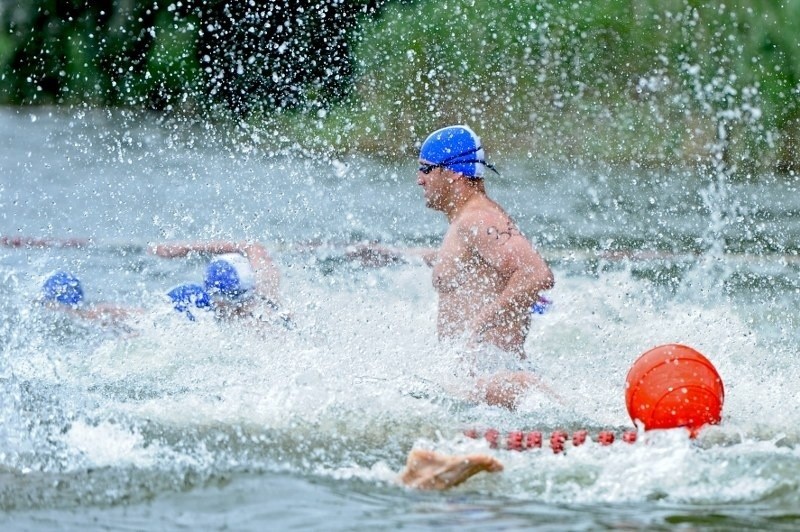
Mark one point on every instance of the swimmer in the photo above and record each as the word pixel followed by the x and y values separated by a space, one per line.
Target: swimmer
pixel 188 298
pixel 241 280
pixel 265 275
pixel 62 291
pixel 486 273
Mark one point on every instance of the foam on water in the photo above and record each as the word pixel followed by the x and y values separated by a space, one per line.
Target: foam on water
pixel 96 415
pixel 362 378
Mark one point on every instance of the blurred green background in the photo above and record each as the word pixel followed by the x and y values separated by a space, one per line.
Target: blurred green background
pixel 640 82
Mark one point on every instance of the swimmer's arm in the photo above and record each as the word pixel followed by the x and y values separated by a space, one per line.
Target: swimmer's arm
pixel 377 255
pixel 268 276
pixel 506 250
pixel 182 249
pixel 505 388
pixel 426 254
pixel 373 254
pixel 528 277
pixel 105 313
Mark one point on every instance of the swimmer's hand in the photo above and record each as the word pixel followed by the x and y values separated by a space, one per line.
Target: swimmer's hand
pixel 429 470
pixel 506 389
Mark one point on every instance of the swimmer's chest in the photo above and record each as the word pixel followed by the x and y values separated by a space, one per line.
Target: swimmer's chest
pixel 459 264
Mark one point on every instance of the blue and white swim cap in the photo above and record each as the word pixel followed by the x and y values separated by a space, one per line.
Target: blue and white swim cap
pixel 456 148
pixel 229 275
pixel 188 296
pixel 64 288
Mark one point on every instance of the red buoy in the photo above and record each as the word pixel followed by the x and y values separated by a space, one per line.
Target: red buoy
pixel 674 386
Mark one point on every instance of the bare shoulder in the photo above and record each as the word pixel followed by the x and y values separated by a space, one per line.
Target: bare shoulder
pixel 484 215
pixel 496 238
pixel 488 224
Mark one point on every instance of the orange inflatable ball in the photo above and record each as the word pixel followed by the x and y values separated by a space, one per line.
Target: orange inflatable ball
pixel 674 386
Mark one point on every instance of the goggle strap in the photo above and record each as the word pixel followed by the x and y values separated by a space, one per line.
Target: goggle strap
pixel 455 160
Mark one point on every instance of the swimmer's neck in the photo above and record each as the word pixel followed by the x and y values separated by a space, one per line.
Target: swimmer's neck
pixel 461 198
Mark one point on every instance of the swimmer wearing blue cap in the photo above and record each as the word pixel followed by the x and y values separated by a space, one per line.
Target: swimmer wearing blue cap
pixel 486 273
pixel 230 279
pixel 241 280
pixel 62 288
pixel 63 291
pixel 189 298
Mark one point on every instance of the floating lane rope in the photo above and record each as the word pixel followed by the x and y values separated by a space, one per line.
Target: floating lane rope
pixel 559 440
pixel 670 386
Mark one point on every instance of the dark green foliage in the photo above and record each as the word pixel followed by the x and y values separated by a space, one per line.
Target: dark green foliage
pixel 283 53
pixel 650 82
pixel 165 54
pixel 72 51
pixel 646 82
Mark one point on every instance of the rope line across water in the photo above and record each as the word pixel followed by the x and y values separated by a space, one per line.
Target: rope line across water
pixel 519 440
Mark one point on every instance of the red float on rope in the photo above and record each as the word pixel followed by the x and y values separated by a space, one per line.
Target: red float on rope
pixel 514 441
pixel 674 386
pixel 492 436
pixel 533 440
pixel 669 386
pixel 606 437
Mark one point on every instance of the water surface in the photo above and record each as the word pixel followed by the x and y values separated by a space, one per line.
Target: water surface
pixel 167 423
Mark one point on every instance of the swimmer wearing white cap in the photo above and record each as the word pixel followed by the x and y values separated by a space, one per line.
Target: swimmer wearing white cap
pixel 241 278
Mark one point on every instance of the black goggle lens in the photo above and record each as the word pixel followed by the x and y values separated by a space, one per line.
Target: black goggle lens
pixel 428 168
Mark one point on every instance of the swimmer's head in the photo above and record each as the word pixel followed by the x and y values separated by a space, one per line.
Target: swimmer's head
pixel 455 148
pixel 230 276
pixel 189 296
pixel 63 288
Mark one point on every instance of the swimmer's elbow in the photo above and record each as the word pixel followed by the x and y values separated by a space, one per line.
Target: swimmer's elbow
pixel 548 281
pixel 537 279
pixel 542 280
